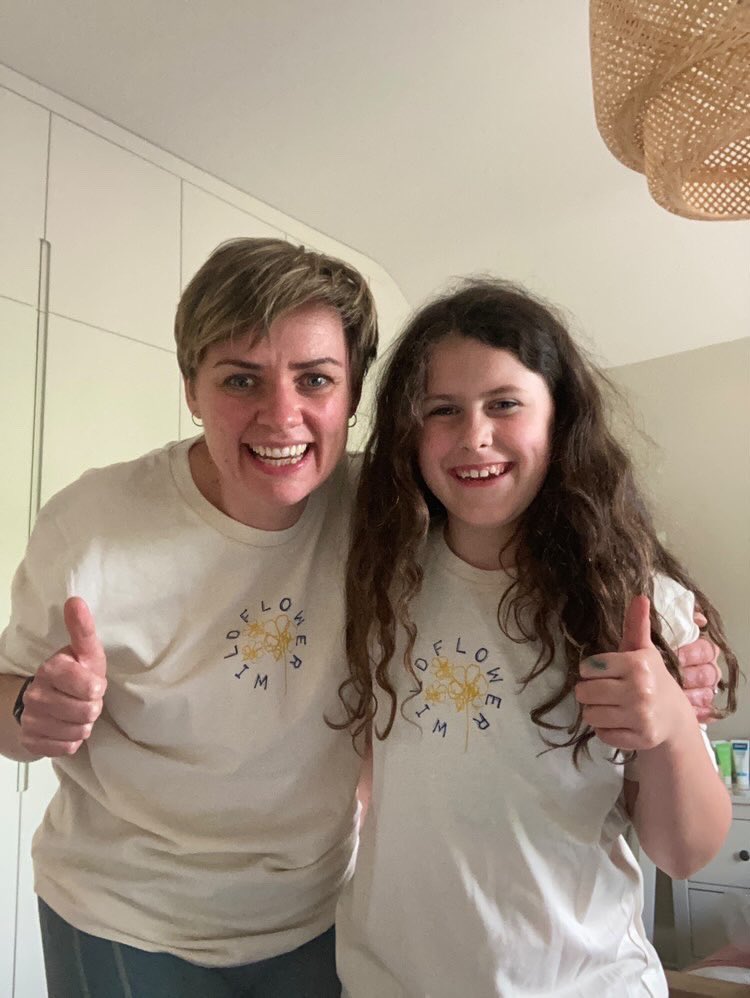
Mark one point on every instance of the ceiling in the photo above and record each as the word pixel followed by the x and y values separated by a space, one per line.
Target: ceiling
pixel 439 138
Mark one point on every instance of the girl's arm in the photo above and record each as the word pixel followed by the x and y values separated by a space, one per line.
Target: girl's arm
pixel 680 808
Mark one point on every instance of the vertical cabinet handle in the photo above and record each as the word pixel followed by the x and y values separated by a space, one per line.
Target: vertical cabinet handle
pixel 40 376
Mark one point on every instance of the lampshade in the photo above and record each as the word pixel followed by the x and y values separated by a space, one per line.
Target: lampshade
pixel 672 99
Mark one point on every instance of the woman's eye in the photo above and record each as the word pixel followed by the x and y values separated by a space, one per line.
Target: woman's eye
pixel 442 410
pixel 239 381
pixel 504 405
pixel 316 380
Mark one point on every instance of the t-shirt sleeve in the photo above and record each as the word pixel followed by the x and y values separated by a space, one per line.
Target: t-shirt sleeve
pixel 675 605
pixel 40 587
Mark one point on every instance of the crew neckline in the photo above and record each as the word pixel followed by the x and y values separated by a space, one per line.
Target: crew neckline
pixel 180 467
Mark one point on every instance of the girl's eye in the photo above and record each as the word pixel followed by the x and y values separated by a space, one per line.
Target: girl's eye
pixel 442 410
pixel 504 405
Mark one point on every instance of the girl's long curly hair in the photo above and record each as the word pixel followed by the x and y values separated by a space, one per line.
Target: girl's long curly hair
pixel 583 548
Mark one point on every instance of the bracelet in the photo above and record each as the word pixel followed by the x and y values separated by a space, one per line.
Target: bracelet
pixel 18 706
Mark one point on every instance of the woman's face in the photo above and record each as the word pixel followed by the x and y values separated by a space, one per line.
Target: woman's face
pixel 274 417
pixel 485 442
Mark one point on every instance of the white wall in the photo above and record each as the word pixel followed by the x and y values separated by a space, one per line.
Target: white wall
pixel 695 406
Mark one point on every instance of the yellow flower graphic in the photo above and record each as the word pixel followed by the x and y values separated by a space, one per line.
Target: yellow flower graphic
pixel 442 668
pixel 272 637
pixel 465 685
pixel 436 693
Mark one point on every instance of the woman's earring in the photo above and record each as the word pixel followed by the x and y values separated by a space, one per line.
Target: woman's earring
pixel 196 422
pixel 352 421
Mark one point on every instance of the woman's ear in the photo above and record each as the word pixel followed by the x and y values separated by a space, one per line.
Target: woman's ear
pixel 190 399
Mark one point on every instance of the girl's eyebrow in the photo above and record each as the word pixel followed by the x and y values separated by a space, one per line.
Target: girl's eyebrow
pixel 500 390
pixel 301 365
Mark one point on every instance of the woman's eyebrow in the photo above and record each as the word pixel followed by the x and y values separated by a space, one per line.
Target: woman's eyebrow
pixel 300 365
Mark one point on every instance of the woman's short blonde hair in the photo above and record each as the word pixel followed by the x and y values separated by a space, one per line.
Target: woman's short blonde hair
pixel 248 283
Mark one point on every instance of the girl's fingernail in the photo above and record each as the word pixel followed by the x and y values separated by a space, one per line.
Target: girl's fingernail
pixel 598 663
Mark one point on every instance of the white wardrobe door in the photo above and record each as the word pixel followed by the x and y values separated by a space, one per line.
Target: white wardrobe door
pixel 107 399
pixel 113 220
pixel 29 979
pixel 23 179
pixel 18 338
pixel 9 805
pixel 208 221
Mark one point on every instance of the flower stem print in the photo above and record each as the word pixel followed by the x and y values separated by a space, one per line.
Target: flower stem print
pixel 464 685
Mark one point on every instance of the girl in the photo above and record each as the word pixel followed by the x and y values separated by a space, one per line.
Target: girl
pixel 499 543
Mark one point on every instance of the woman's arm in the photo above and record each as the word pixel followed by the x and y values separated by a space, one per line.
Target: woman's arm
pixel 10 729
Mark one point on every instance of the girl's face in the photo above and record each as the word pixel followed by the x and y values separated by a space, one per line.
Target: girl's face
pixel 484 446
pixel 275 417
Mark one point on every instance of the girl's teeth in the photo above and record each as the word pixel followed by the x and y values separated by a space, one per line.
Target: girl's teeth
pixel 492 470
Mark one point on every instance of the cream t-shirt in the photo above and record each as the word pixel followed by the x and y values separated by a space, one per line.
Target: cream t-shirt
pixel 488 866
pixel 212 812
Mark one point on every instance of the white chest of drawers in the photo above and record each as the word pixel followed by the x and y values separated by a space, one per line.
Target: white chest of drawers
pixel 698 902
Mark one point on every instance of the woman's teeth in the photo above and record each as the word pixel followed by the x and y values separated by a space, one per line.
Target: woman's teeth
pixel 280 455
pixel 490 471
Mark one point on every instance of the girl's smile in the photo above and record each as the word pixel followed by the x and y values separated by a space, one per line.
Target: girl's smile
pixel 481 474
pixel 484 442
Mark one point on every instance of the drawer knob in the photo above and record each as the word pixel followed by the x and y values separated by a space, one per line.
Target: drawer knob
pixel 744 855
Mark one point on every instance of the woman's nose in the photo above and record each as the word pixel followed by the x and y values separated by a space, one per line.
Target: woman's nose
pixel 280 407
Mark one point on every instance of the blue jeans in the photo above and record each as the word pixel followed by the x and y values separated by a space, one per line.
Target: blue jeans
pixel 79 965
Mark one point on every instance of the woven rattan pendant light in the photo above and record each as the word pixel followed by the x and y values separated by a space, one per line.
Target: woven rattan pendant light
pixel 672 99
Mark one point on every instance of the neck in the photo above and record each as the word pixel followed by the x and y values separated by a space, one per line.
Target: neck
pixel 481 548
pixel 208 482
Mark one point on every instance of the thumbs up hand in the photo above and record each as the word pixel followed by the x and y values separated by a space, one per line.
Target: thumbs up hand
pixel 629 697
pixel 65 698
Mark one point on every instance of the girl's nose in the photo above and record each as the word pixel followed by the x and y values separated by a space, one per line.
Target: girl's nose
pixel 477 431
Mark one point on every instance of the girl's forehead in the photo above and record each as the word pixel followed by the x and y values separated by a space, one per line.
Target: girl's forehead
pixel 458 358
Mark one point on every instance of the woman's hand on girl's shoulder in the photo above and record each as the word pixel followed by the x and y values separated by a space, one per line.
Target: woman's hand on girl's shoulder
pixel 700 672
pixel 629 697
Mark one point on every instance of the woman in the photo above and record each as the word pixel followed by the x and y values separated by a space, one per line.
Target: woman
pixel 206 816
